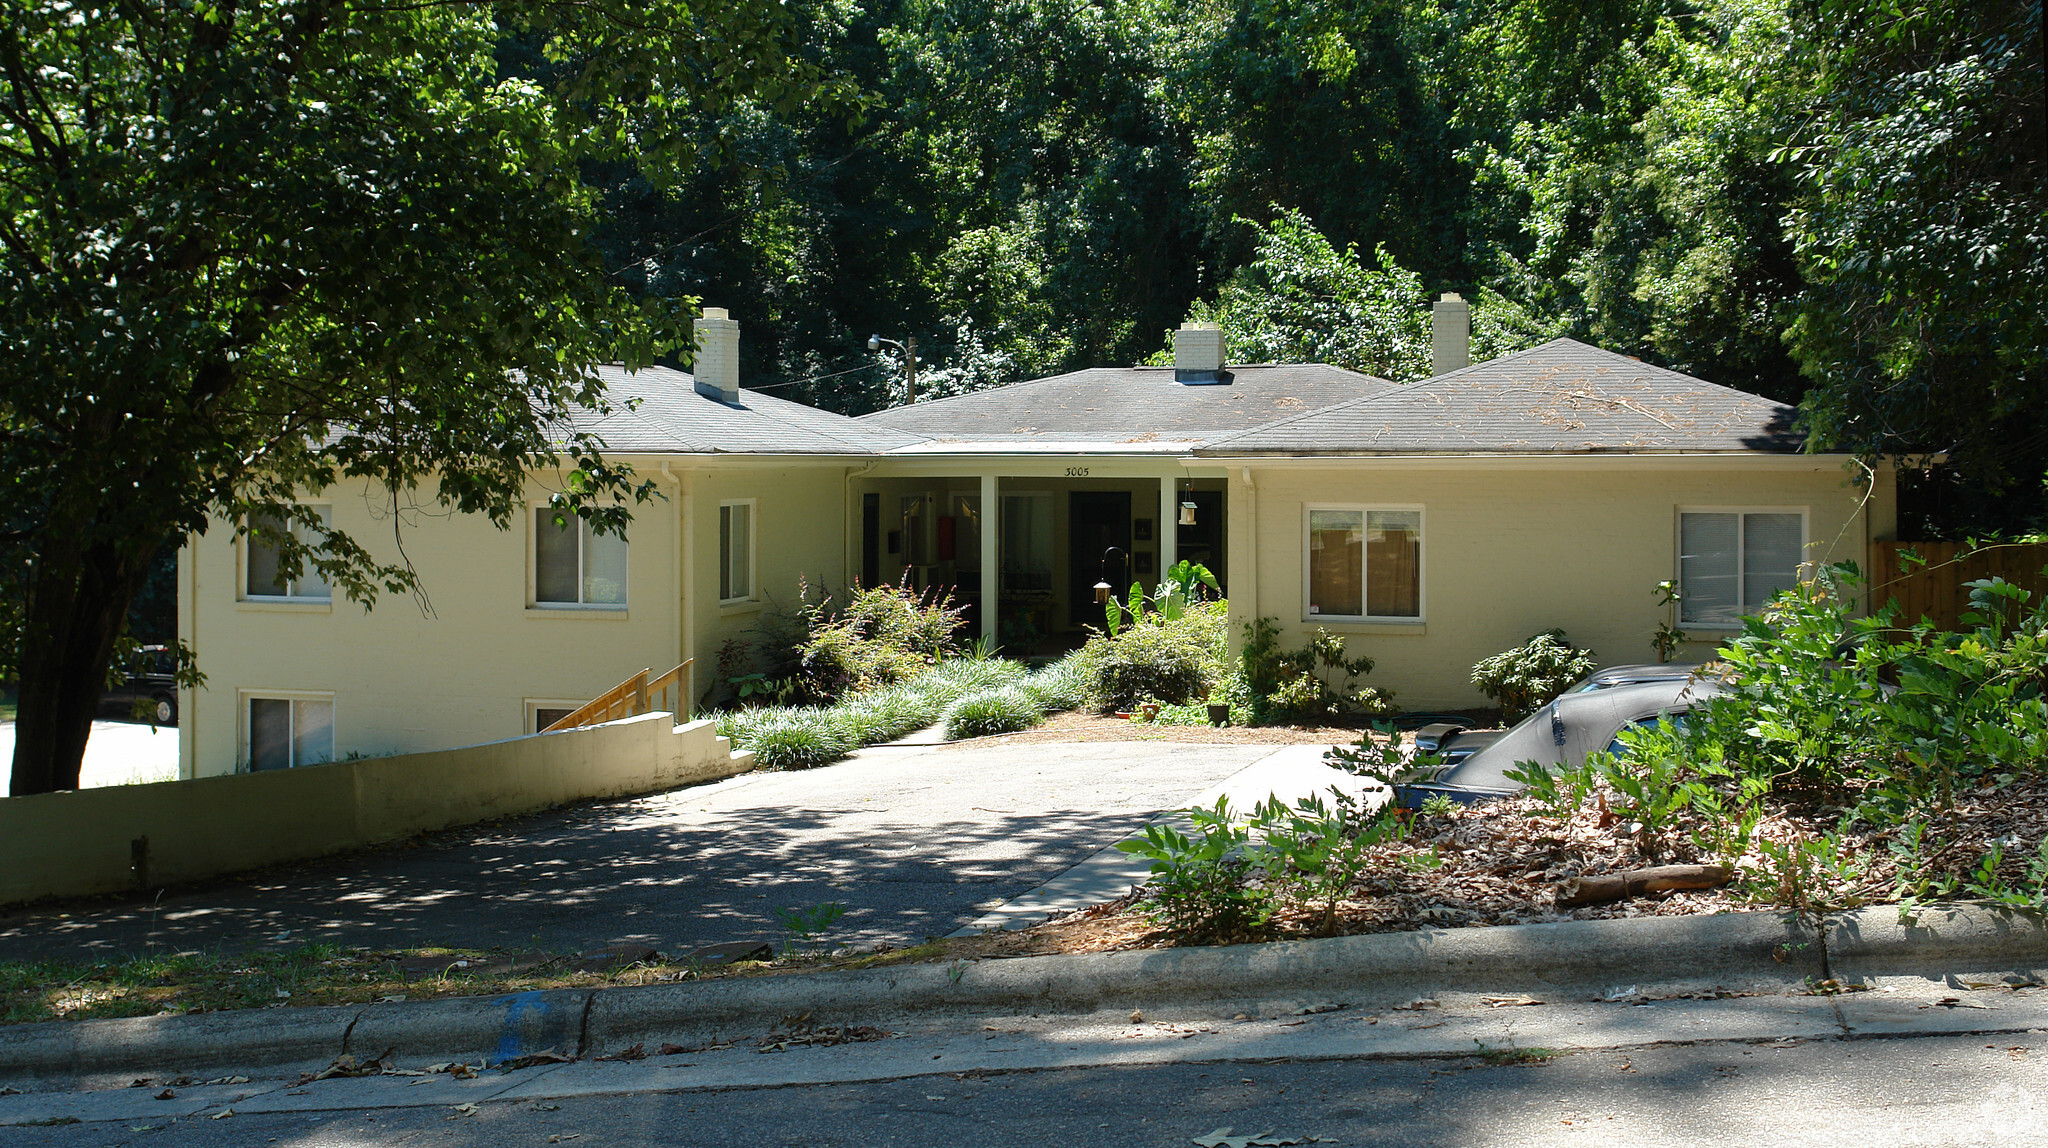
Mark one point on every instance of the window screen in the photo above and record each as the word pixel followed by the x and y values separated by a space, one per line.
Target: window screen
pixel 1731 563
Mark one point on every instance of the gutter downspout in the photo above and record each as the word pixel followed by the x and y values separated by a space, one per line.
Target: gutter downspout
pixel 1244 558
pixel 686 629
pixel 850 538
pixel 188 626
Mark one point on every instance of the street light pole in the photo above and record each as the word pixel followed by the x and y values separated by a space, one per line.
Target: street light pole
pixel 909 349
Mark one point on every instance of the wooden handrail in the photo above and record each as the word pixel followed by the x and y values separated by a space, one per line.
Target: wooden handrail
pixel 630 698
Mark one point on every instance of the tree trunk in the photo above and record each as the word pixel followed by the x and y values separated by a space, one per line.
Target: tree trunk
pixel 78 605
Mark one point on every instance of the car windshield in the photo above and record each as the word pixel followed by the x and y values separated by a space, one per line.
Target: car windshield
pixel 1619 746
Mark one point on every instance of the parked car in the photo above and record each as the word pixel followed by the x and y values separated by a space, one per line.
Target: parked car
pixel 1454 742
pixel 1560 734
pixel 149 690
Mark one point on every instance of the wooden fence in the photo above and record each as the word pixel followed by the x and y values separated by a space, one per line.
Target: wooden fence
pixel 1939 591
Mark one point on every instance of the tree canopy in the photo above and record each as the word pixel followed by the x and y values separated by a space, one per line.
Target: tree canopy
pixel 254 248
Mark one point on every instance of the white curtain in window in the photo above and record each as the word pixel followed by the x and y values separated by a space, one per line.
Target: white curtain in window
pixel 264 579
pixel 604 568
pixel 1770 556
pixel 312 732
pixel 1708 571
pixel 554 557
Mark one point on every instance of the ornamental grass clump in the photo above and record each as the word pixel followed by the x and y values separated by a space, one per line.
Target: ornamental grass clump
pixel 988 712
pixel 1062 685
pixel 798 738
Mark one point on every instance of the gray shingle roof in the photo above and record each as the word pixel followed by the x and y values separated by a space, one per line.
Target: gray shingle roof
pixel 1130 405
pixel 1562 397
pixel 672 418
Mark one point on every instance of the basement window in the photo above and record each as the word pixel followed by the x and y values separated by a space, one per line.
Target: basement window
pixel 288 732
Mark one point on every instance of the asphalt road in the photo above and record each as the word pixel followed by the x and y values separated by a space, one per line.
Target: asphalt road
pixel 914 842
pixel 1936 1090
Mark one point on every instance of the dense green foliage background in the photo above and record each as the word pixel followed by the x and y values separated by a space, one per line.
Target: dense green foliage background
pixel 1819 199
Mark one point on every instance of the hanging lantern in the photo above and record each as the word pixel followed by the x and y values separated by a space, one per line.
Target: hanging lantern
pixel 1187 514
pixel 1101 592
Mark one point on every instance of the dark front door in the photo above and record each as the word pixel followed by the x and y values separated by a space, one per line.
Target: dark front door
pixel 1096 521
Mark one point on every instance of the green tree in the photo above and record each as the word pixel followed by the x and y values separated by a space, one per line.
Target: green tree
pixel 1623 172
pixel 256 247
pixel 1301 300
pixel 1922 223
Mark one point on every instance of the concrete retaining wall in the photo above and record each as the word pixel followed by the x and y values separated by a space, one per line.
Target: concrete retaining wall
pixel 138 836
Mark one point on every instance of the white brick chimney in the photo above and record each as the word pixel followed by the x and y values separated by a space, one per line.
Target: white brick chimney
pixel 717 366
pixel 1198 350
pixel 1450 334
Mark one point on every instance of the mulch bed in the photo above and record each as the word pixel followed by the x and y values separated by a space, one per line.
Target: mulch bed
pixel 1504 863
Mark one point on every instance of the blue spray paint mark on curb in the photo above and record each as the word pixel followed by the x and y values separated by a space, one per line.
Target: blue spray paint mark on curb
pixel 510 1044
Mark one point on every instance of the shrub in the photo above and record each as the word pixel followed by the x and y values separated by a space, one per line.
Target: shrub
pixel 1200 885
pixel 955 678
pixel 987 712
pixel 1149 660
pixel 1530 675
pixel 1314 682
pixel 888 713
pixel 882 635
pixel 1880 735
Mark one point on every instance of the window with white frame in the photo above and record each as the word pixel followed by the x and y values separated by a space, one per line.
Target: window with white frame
pixel 1363 562
pixel 573 565
pixel 287 732
pixel 263 577
pixel 1730 562
pixel 736 551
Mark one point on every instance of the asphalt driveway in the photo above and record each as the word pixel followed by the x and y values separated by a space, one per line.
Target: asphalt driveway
pixel 915 842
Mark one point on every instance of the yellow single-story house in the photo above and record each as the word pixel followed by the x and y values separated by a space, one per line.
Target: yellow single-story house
pixel 1431 524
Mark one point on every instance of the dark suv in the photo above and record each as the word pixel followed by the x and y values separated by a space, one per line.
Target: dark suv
pixel 149 691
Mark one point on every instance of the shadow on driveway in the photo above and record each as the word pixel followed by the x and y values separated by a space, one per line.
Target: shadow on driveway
pixel 915 845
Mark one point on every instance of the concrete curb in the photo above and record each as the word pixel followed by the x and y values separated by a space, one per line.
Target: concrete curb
pixel 1737 952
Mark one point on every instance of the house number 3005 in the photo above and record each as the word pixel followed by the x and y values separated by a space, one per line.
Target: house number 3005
pixel 1077 472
